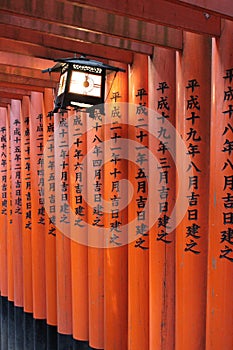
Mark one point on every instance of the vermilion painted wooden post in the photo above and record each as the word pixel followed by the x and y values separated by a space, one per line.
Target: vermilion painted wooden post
pixel 3 202
pixel 26 205
pixel 115 193
pixel 64 298
pixel 220 258
pixel 95 176
pixel 193 123
pixel 138 250
pixel 38 214
pixel 78 223
pixel 162 87
pixel 50 228
pixel 15 137
pixel 9 214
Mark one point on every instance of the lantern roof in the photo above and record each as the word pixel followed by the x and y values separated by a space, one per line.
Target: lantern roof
pixel 82 60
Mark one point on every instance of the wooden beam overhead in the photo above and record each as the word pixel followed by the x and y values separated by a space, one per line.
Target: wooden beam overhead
pixel 28 49
pixel 10 79
pixel 223 8
pixel 73 46
pixel 11 90
pixel 3 105
pixel 160 11
pixel 98 21
pixel 34 33
pixel 81 35
pixel 13 85
pixel 13 93
pixel 14 59
pixel 29 73
pixel 5 101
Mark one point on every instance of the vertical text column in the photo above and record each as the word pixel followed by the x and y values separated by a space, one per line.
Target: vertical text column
pixel 78 223
pixel 26 205
pixel 50 214
pixel 138 216
pixel 163 175
pixel 61 149
pixel 15 129
pixel 3 202
pixel 193 123
pixel 220 258
pixel 38 211
pixel 116 212
pixel 95 183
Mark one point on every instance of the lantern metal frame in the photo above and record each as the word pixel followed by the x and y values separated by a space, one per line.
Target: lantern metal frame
pixel 90 91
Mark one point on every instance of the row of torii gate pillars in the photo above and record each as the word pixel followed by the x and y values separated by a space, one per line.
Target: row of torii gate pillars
pixel 167 289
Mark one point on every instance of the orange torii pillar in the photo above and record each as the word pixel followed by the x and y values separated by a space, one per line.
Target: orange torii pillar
pixel 26 205
pixel 3 203
pixel 115 212
pixel 95 183
pixel 38 212
pixel 78 223
pixel 61 151
pixel 15 140
pixel 49 201
pixel 193 119
pixel 219 333
pixel 10 272
pixel 162 86
pixel 138 215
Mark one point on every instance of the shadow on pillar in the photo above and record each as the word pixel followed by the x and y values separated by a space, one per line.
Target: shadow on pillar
pixel 20 331
pixel 11 326
pixel 51 337
pixel 28 331
pixel 40 334
pixel 4 323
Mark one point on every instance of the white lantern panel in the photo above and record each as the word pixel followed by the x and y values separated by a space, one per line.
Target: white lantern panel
pixel 85 84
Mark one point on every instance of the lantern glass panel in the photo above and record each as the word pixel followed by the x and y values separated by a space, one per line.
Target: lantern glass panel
pixel 62 83
pixel 85 84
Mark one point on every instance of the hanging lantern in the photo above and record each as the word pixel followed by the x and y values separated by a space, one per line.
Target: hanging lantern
pixel 82 82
